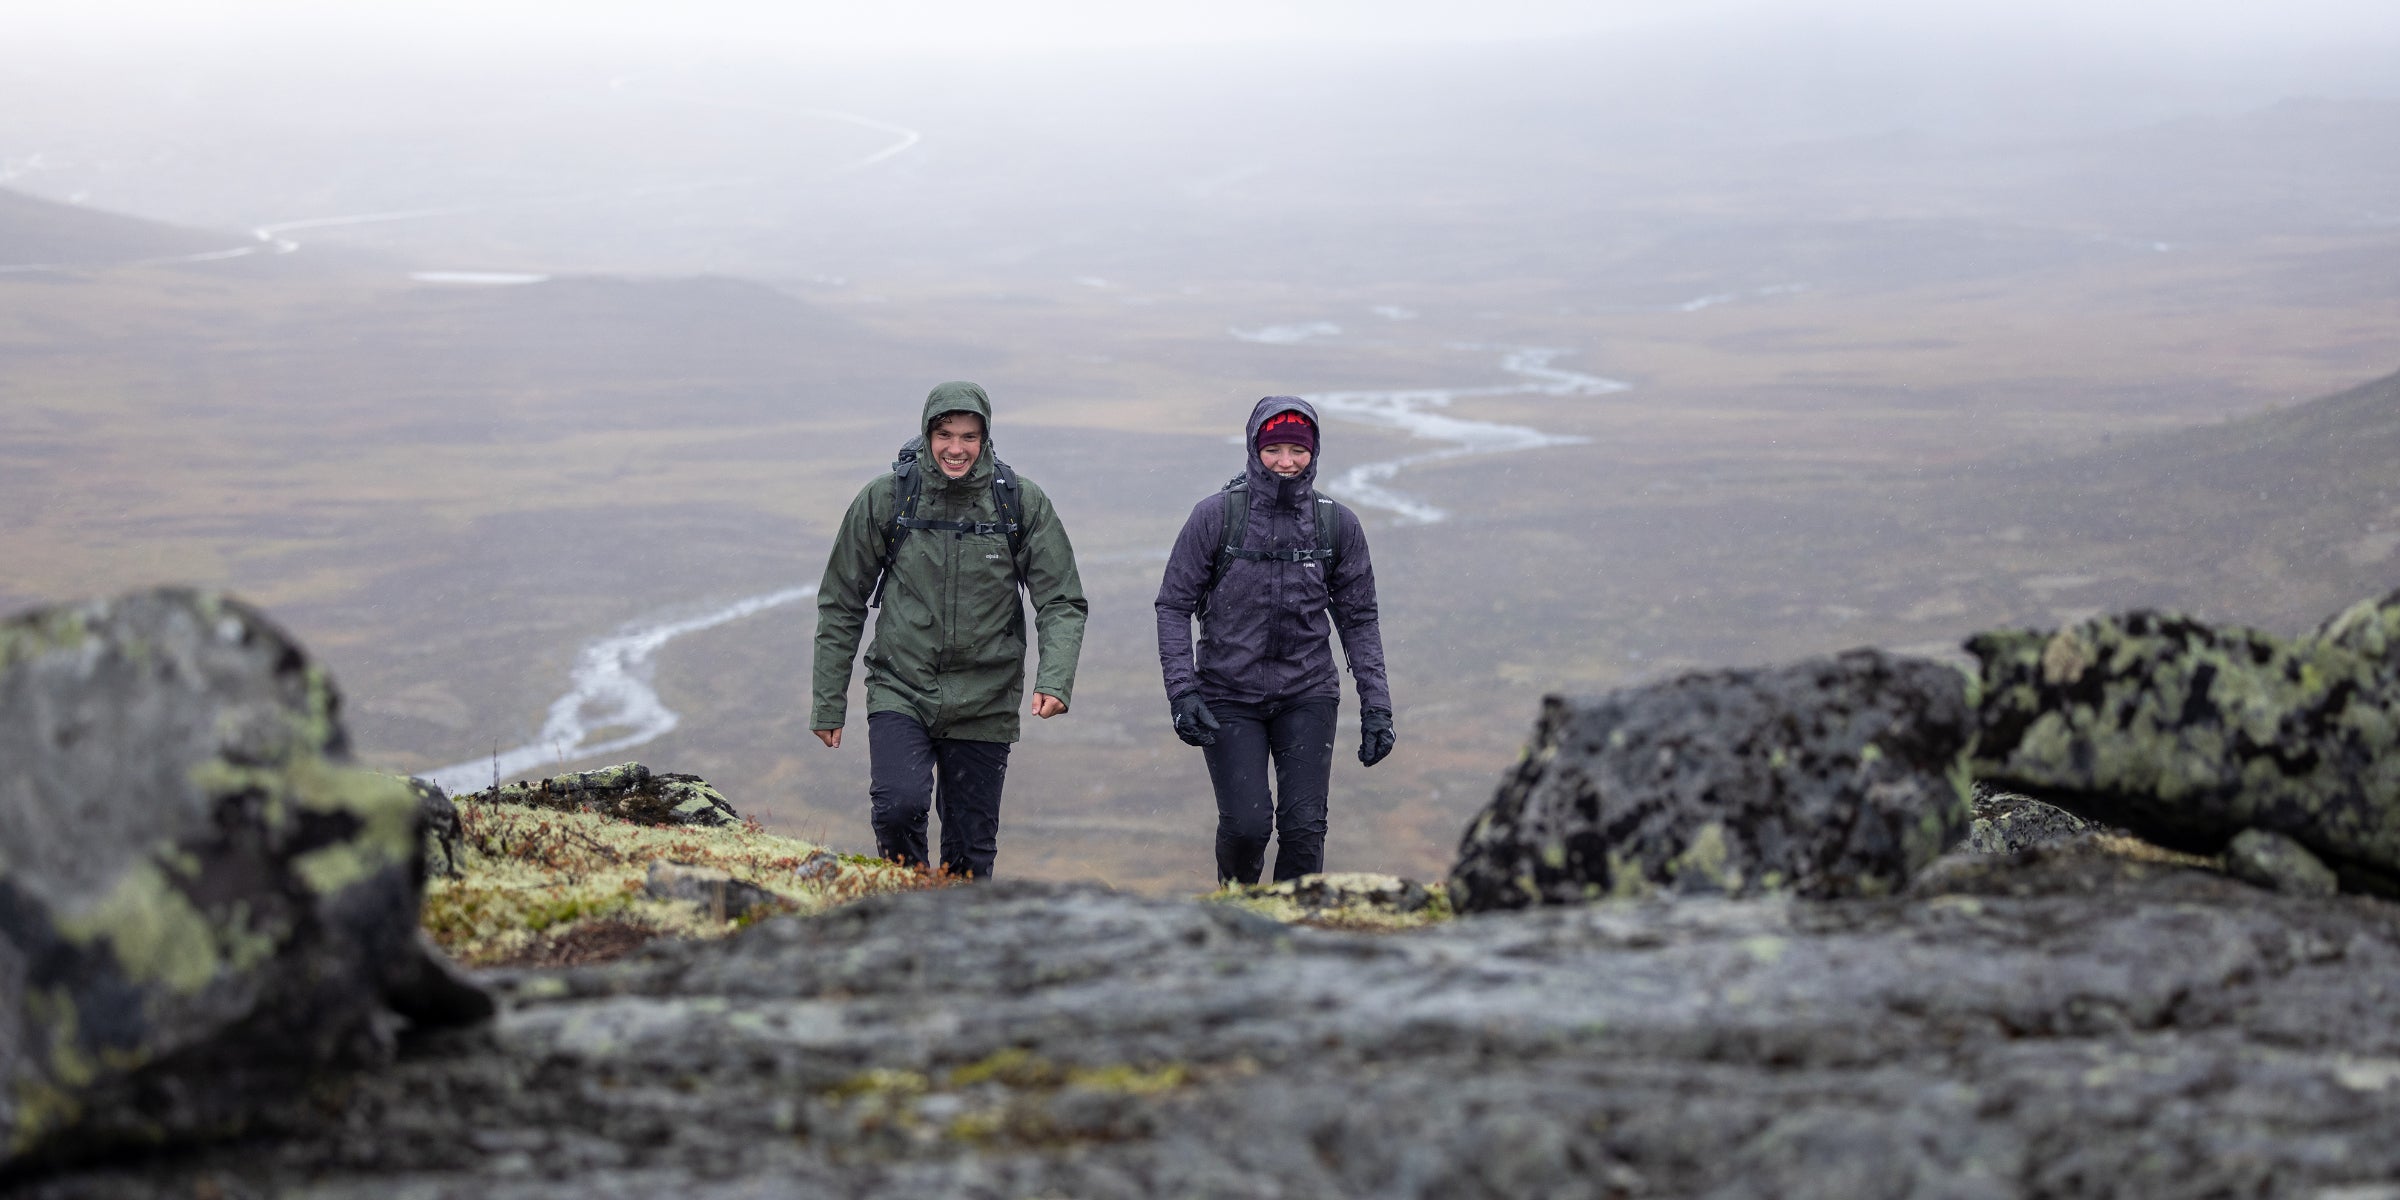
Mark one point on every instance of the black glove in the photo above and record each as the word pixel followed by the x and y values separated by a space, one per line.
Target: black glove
pixel 1193 722
pixel 1375 736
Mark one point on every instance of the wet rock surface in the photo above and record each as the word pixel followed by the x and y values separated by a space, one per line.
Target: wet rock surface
pixel 1835 776
pixel 2272 860
pixel 2006 823
pixel 2059 1024
pixel 200 908
pixel 628 792
pixel 2187 734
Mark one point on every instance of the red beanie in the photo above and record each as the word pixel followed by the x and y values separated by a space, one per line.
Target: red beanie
pixel 1289 427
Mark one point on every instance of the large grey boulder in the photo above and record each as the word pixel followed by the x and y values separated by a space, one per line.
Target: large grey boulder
pixel 1836 776
pixel 200 909
pixel 2186 734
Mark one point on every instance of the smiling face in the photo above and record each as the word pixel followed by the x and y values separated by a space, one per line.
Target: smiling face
pixel 956 441
pixel 1287 459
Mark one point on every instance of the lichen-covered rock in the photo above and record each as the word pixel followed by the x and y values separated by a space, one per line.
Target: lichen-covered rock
pixel 2006 823
pixel 2075 1025
pixel 440 817
pixel 199 909
pixel 1837 776
pixel 2369 628
pixel 1353 889
pixel 2187 734
pixel 2272 860
pixel 690 800
pixel 1343 900
pixel 716 891
pixel 821 867
pixel 628 792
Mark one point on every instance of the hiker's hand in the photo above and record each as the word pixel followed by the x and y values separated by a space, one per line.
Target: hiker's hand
pixel 831 737
pixel 1047 706
pixel 1375 736
pixel 1193 722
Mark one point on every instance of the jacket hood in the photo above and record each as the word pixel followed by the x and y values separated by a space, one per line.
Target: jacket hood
pixel 1265 483
pixel 956 397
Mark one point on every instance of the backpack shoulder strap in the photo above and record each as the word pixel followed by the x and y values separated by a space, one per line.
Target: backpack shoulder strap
pixel 1229 543
pixel 1329 517
pixel 1008 498
pixel 907 485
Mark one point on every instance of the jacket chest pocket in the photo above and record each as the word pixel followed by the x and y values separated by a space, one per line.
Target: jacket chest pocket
pixel 984 554
pixel 1310 587
pixel 987 574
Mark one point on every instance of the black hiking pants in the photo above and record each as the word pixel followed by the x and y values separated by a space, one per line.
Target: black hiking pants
pixel 913 771
pixel 1298 736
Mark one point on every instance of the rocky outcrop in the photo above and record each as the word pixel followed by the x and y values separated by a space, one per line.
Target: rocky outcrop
pixel 2068 1026
pixel 200 908
pixel 2186 734
pixel 440 818
pixel 717 892
pixel 2006 823
pixel 1835 777
pixel 628 792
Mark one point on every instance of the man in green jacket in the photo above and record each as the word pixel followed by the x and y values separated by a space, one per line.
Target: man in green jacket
pixel 948 660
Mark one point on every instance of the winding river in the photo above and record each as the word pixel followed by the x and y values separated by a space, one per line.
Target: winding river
pixel 1424 413
pixel 610 705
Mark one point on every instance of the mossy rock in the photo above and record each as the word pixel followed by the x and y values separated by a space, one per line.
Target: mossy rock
pixel 1361 900
pixel 627 792
pixel 201 907
pixel 1837 776
pixel 2187 734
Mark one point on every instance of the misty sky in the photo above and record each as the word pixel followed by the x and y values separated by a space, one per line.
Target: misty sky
pixel 973 26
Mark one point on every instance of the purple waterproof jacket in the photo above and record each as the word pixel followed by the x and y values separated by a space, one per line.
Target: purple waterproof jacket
pixel 1263 639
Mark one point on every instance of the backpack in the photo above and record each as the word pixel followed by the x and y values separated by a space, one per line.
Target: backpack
pixel 1237 521
pixel 908 483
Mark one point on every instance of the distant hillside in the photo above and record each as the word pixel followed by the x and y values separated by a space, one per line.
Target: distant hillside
pixel 2277 520
pixel 2280 517
pixel 33 230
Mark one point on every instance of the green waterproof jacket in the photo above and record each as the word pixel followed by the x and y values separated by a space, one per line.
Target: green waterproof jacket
pixel 949 644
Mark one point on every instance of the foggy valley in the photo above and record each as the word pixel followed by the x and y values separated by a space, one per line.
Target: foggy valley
pixel 1641 351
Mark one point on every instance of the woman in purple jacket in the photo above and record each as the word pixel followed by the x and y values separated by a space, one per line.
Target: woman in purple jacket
pixel 1261 564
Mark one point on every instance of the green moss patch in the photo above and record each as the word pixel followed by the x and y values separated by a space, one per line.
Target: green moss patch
pixel 1360 901
pixel 546 887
